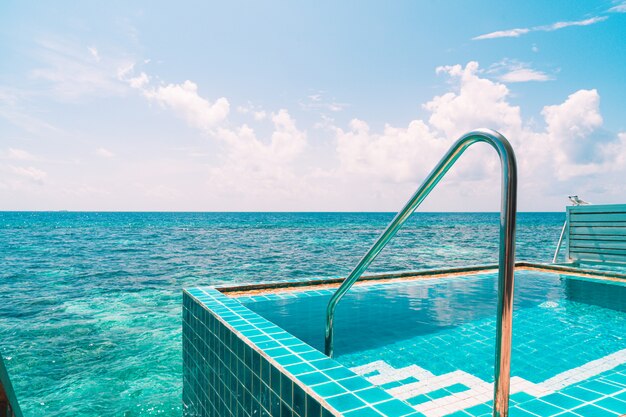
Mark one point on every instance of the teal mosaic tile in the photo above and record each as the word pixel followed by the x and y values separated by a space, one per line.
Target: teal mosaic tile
pixel 621 396
pixel 373 395
pixel 541 408
pixel 313 378
pixel 601 387
pixel 479 410
pixel 422 398
pixel 346 402
pixel 354 383
pixel 581 394
pixel 456 388
pixel 520 397
pixel 329 389
pixel 363 412
pixel 592 410
pixel 299 368
pixel 515 411
pixel 395 409
pixel 562 401
pixel 324 364
pixel 612 404
pixel 237 364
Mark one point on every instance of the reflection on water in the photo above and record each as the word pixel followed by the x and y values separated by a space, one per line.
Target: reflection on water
pixel 449 324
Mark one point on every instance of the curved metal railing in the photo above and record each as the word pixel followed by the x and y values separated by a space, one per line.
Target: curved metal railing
pixel 506 252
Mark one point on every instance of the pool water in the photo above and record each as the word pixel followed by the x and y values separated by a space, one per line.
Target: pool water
pixel 416 338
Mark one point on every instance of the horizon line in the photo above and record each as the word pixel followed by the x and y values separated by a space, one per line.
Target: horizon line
pixel 259 212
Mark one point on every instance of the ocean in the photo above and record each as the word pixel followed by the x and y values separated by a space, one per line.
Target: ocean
pixel 90 303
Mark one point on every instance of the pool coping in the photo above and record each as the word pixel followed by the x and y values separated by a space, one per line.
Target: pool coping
pixel 333 282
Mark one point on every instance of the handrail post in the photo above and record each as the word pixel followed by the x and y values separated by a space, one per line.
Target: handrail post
pixel 508 212
pixel 558 246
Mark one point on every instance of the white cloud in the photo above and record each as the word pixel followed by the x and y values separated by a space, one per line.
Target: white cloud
pixel 257 113
pixel 512 71
pixel 407 154
pixel 620 8
pixel 19 155
pixel 561 25
pixel 105 153
pixel 125 71
pixel 511 33
pixel 16 107
pixel 72 72
pixel 615 152
pixel 478 102
pixel 318 102
pixel 30 124
pixel 30 173
pixel 286 141
pixel 523 75
pixel 185 101
pixel 94 53
pixel 251 166
pixel 255 166
pixel 575 137
pixel 396 154
pixel 515 33
pixel 577 117
pixel 245 162
pixel 568 155
pixel 140 81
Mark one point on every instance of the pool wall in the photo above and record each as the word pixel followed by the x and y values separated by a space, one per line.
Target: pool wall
pixel 236 363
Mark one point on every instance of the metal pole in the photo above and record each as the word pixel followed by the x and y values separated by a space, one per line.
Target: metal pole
pixel 506 253
pixel 558 246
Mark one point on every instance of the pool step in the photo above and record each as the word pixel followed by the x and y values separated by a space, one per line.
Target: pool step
pixel 441 395
pixel 431 395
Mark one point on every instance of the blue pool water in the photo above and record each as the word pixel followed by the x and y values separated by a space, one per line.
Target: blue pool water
pixel 448 324
pixel 567 331
pixel 90 303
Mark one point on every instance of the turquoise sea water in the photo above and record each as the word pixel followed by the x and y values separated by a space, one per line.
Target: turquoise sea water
pixel 90 314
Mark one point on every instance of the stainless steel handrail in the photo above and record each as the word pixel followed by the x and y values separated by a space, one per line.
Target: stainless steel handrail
pixel 506 253
pixel 558 246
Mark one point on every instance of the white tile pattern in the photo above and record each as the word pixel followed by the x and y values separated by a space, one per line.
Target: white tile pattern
pixel 479 391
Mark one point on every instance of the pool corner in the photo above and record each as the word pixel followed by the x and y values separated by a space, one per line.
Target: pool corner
pixel 237 363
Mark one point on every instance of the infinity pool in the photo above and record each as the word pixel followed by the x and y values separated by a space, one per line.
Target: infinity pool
pixel 430 342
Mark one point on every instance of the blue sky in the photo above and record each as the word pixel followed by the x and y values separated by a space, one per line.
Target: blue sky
pixel 307 106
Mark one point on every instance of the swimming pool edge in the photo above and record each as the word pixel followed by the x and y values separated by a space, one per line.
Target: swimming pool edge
pixel 331 282
pixel 237 363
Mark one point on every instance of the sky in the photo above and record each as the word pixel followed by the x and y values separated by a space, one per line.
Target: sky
pixel 307 106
